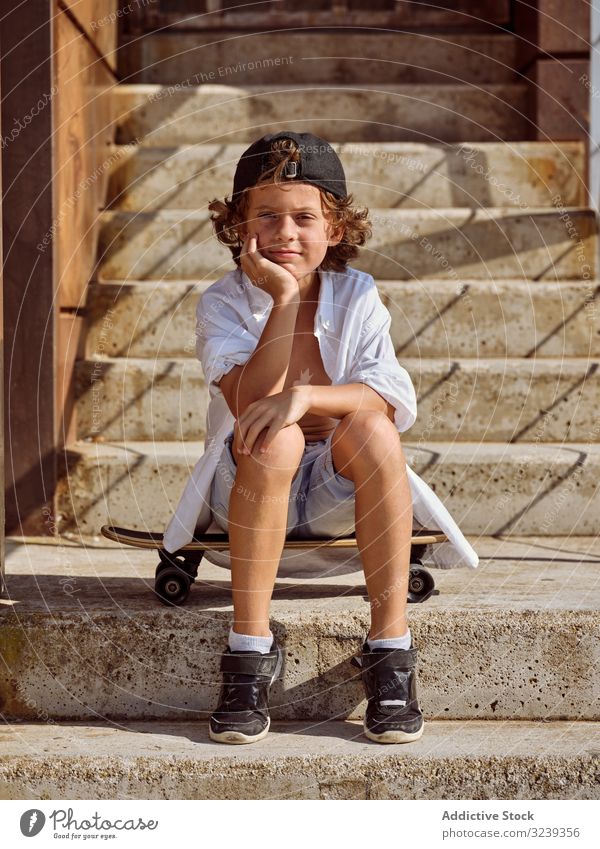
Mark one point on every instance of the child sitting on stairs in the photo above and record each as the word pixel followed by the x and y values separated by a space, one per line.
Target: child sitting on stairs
pixel 307 404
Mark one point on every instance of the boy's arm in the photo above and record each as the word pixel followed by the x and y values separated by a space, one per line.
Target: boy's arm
pixel 264 373
pixel 337 401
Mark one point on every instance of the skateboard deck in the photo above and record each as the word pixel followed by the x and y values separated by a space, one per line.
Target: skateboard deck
pixel 177 570
pixel 220 542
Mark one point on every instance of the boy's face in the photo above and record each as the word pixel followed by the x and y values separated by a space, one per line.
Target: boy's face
pixel 290 218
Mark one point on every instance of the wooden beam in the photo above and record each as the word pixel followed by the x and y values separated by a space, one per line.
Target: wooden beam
pixel 28 226
pixel 2 550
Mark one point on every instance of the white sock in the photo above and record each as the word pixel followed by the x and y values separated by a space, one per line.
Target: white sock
pixel 392 642
pixel 247 642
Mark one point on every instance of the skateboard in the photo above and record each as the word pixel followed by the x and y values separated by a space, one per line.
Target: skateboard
pixel 177 570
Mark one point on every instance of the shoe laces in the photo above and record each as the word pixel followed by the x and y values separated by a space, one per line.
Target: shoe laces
pixel 241 692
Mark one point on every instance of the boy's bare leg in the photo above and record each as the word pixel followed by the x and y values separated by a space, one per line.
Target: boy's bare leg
pixel 383 533
pixel 257 522
pixel 366 449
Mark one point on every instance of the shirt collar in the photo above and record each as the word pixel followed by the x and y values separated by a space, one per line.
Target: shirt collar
pixel 261 302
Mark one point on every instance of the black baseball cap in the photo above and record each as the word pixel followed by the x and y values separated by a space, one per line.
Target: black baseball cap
pixel 319 164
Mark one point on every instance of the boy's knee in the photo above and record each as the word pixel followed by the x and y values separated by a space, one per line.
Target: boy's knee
pixel 365 425
pixel 285 450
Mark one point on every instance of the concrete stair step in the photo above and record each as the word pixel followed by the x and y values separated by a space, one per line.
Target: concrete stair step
pixel 315 15
pixel 430 318
pixel 493 243
pixel 398 175
pixel 489 487
pixel 157 760
pixel 170 115
pixel 311 56
pixel 492 400
pixel 85 638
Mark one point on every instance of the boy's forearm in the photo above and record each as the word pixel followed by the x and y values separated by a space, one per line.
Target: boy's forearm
pixel 337 401
pixel 266 370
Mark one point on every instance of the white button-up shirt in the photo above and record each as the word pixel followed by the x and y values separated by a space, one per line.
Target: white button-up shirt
pixel 352 327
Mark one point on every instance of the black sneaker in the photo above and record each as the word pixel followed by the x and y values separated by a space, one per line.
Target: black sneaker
pixel 390 680
pixel 242 715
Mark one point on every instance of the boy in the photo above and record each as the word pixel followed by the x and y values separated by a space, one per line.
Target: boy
pixel 296 344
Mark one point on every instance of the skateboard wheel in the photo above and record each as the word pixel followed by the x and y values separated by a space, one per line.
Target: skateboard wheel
pixel 172 586
pixel 420 585
pixel 187 564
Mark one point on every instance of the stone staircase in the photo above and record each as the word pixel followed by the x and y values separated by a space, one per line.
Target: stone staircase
pixel 109 692
pixel 485 254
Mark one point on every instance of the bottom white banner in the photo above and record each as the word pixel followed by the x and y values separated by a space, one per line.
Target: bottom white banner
pixel 393 823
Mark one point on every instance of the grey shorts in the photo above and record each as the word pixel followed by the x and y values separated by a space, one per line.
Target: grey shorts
pixel 321 502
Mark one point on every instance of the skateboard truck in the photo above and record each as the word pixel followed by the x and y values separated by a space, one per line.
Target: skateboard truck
pixel 175 574
pixel 421 585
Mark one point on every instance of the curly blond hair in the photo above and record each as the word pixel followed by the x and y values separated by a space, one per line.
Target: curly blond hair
pixel 227 215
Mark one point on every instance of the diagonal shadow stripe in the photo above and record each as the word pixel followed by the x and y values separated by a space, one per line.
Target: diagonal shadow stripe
pixel 591 370
pixel 455 367
pixel 437 317
pixel 426 174
pixel 71 459
pixel 578 464
pixel 98 299
pixel 564 322
pixel 84 387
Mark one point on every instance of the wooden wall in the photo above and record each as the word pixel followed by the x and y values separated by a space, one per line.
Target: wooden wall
pixel 2 584
pixel 85 40
pixel 57 65
pixel 554 52
pixel 29 324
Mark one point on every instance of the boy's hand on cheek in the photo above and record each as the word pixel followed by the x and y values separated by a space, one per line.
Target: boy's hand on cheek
pixel 267 275
pixel 272 413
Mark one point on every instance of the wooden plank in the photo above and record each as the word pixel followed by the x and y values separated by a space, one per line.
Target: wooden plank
pixel 553 54
pixel 29 307
pixel 561 101
pixel 83 154
pixel 57 103
pixel 548 27
pixel 83 157
pixel 562 27
pixel 70 348
pixel 100 19
pixel 2 583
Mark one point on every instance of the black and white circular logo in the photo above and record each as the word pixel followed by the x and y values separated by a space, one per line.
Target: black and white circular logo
pixel 32 822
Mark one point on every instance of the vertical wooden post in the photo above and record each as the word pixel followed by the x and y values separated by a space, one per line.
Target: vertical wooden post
pixel 2 584
pixel 553 54
pixel 29 274
pixel 594 107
